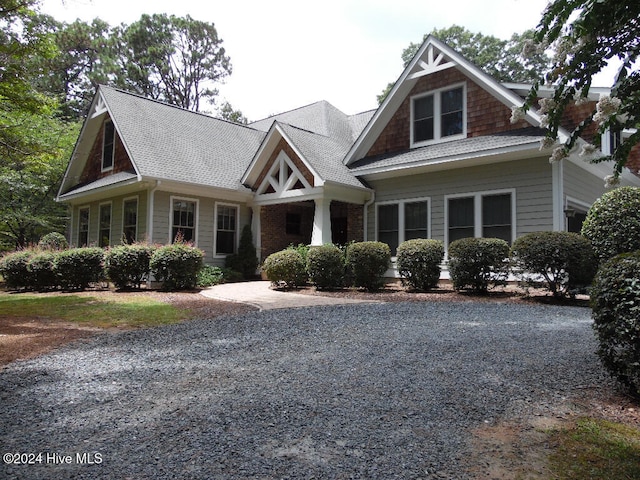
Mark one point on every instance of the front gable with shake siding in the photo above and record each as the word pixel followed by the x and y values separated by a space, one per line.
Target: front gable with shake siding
pixel 439 158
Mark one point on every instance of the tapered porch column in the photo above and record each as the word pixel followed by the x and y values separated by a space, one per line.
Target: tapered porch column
pixel 321 233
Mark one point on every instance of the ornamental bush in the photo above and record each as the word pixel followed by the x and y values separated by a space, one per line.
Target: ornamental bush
pixel 53 241
pixel 367 263
pixel 613 223
pixel 478 264
pixel 176 266
pixel 285 268
pixel 419 262
pixel 246 260
pixel 325 265
pixel 615 300
pixel 42 271
pixel 77 268
pixel 209 276
pixel 14 268
pixel 128 266
pixel 563 262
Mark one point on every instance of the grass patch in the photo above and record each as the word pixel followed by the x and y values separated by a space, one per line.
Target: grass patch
pixel 92 311
pixel 596 449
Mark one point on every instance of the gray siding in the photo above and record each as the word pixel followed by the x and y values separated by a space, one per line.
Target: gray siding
pixel 531 180
pixel 582 185
pixel 205 222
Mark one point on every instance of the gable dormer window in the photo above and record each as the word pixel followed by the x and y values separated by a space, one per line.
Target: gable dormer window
pixel 108 145
pixel 438 115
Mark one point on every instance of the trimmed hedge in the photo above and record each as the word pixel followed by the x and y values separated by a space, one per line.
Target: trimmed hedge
pixel 367 263
pixel 565 261
pixel 176 266
pixel 478 264
pixel 285 268
pixel 77 268
pixel 419 263
pixel 615 301
pixel 53 241
pixel 613 223
pixel 14 268
pixel 43 274
pixel 128 266
pixel 325 265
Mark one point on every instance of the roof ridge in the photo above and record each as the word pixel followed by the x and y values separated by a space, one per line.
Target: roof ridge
pixel 294 109
pixel 167 104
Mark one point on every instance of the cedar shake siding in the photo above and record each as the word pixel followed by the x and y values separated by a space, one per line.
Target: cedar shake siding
pixel 284 146
pixel 485 114
pixel 93 169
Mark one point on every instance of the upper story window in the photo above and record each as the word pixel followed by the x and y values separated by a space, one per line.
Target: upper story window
pixel 438 115
pixel 108 145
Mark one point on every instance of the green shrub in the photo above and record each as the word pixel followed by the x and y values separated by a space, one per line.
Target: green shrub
pixel 478 264
pixel 325 265
pixel 246 260
pixel 77 268
pixel 367 263
pixel 613 223
pixel 209 276
pixel 14 268
pixel 128 266
pixel 176 266
pixel 42 271
pixel 302 249
pixel 564 261
pixel 285 268
pixel 53 241
pixel 615 300
pixel 419 262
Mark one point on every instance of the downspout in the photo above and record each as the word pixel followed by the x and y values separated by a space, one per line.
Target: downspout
pixel 365 217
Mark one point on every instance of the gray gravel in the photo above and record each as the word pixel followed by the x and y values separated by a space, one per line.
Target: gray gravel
pixel 360 391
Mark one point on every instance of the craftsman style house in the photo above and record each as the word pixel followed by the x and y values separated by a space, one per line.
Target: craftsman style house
pixel 439 159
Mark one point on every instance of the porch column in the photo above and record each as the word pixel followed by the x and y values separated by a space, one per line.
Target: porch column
pixel 321 233
pixel 256 229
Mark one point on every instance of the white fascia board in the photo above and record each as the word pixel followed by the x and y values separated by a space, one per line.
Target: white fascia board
pixel 269 142
pixel 97 193
pixel 317 179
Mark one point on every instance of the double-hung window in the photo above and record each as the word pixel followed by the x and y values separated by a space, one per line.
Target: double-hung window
pixel 83 227
pixel 488 215
pixel 226 228
pixel 183 225
pixel 400 221
pixel 104 233
pixel 438 116
pixel 130 220
pixel 108 145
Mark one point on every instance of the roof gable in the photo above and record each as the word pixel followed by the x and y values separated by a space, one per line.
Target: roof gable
pixel 433 57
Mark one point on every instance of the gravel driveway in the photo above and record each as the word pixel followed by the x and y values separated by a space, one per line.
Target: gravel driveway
pixel 359 391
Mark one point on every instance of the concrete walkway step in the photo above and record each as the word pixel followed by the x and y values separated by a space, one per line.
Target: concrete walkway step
pixel 260 295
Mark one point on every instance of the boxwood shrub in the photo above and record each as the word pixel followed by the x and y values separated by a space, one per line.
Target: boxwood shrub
pixel 367 263
pixel 477 264
pixel 53 241
pixel 14 268
pixel 613 223
pixel 42 271
pixel 129 265
pixel 615 300
pixel 285 268
pixel 176 266
pixel 325 265
pixel 77 268
pixel 563 261
pixel 419 262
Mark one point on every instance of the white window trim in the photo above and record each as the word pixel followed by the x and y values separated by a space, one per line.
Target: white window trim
pixel 401 219
pixel 477 207
pixel 196 220
pixel 100 221
pixel 124 201
pixel 437 115
pixel 215 228
pixel 113 149
pixel 83 207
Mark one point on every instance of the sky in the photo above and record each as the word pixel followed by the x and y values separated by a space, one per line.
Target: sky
pixel 290 53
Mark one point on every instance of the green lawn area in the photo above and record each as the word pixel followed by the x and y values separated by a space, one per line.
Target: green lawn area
pixel 112 311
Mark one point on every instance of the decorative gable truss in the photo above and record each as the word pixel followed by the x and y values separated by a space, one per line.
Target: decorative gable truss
pixel 431 64
pixel 283 177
